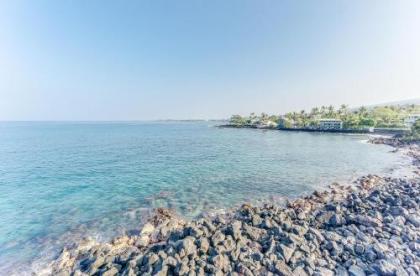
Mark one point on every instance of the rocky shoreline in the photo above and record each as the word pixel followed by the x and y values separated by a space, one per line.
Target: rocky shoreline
pixel 369 228
pixel 410 148
pixel 390 131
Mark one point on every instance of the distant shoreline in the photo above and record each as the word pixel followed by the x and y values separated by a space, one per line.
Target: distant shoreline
pixel 382 131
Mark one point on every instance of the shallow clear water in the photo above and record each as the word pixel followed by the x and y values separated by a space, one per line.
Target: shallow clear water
pixel 62 181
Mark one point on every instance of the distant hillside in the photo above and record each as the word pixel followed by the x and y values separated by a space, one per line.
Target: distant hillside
pixel 415 101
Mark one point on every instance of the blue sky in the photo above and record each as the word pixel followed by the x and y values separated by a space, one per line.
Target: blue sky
pixel 141 60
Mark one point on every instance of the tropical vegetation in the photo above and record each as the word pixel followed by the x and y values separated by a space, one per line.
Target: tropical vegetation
pixel 414 134
pixel 391 116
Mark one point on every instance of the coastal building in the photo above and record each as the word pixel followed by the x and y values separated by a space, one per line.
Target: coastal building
pixel 330 124
pixel 411 119
pixel 267 124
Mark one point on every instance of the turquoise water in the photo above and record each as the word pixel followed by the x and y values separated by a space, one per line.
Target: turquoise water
pixel 62 181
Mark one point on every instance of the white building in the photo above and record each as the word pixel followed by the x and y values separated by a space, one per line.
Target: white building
pixel 267 124
pixel 326 124
pixel 411 119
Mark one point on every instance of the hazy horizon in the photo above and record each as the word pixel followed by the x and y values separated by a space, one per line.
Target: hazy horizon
pixel 158 60
pixel 416 100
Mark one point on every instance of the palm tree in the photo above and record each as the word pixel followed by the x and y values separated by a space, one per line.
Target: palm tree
pixel 363 111
pixel 343 109
pixel 302 113
pixel 264 117
pixel 330 111
pixel 314 111
pixel 303 116
pixel 323 110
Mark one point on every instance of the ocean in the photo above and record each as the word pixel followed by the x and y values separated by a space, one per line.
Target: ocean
pixel 62 181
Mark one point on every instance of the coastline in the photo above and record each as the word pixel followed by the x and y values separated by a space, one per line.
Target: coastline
pixel 317 234
pixel 411 149
pixel 386 132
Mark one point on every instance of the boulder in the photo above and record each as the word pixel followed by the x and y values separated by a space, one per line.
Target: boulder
pixel 355 270
pixel 286 252
pixel 186 246
pixel 282 269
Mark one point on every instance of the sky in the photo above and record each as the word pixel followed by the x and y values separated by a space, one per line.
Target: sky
pixel 146 60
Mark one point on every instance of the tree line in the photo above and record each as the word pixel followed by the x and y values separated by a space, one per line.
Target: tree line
pixel 390 116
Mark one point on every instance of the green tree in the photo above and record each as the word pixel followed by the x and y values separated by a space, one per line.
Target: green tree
pixel 263 118
pixel 237 120
pixel 343 110
pixel 314 111
pixel 331 111
pixel 369 122
pixel 351 121
pixel 415 128
pixel 386 116
pixel 363 111
pixel 284 122
pixel 414 135
pixel 273 118
pixel 323 110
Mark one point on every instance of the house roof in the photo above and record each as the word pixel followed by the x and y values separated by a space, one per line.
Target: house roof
pixel 330 120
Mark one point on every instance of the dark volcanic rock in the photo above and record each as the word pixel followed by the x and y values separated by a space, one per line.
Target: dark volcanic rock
pixel 370 228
